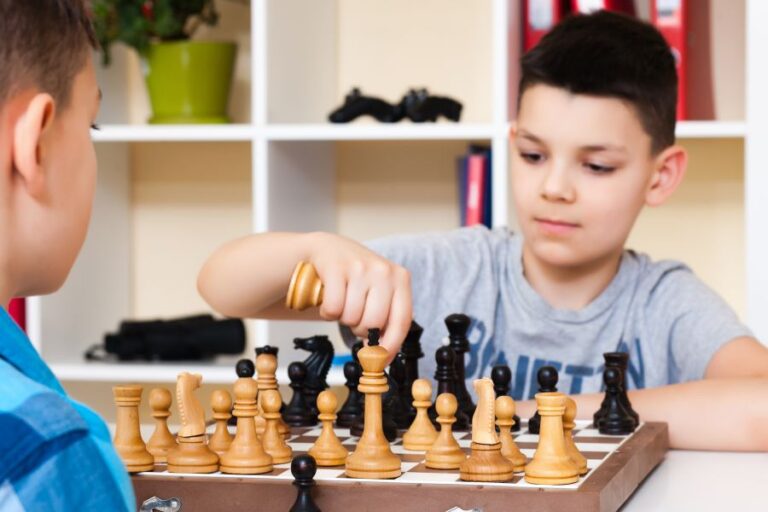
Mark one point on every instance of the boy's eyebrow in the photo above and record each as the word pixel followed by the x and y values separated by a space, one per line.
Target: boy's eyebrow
pixel 590 147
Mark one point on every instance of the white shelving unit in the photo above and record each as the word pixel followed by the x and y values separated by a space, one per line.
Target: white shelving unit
pixel 297 59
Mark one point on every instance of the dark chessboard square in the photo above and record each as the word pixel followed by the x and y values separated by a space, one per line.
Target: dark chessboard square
pixel 411 457
pixel 594 455
pixel 599 440
pixel 305 439
pixel 528 446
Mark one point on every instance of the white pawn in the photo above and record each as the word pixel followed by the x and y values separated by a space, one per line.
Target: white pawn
pixel 328 450
pixel 422 433
pixel 274 442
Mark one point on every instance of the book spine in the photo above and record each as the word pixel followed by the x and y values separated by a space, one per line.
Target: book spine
pixel 475 189
pixel 538 17
pixel 670 17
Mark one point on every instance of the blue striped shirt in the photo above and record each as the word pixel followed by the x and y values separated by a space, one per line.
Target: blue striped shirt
pixel 55 453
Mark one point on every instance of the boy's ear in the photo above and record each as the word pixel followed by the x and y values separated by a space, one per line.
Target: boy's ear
pixel 28 133
pixel 668 172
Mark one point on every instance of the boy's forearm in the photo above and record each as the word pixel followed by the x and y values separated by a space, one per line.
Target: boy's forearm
pixel 246 276
pixel 710 414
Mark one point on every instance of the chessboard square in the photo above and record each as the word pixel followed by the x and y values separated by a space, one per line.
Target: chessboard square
pixel 465 443
pixel 528 452
pixel 527 438
pixel 590 455
pixel 594 447
pixel 304 447
pixel 432 477
pixel 407 466
pixel 329 473
pixel 412 457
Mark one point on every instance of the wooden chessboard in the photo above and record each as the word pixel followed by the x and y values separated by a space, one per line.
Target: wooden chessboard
pixel 617 465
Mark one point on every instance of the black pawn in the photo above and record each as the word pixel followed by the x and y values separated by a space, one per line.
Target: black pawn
pixel 396 379
pixel 351 409
pixel 620 360
pixel 388 424
pixel 501 376
pixel 616 420
pixel 269 349
pixel 243 368
pixel 547 378
pixel 297 413
pixel 303 469
pixel 411 353
pixel 458 325
pixel 445 376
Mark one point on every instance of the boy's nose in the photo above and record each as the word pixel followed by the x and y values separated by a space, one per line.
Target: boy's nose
pixel 557 186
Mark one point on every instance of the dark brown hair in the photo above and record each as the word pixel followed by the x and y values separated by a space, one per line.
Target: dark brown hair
pixel 611 55
pixel 43 44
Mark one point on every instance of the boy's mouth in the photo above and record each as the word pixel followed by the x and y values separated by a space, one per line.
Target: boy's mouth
pixel 555 226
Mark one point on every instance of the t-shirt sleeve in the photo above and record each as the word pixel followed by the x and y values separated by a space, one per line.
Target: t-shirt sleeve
pixel 698 320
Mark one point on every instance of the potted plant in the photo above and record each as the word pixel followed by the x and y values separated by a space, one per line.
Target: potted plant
pixel 188 81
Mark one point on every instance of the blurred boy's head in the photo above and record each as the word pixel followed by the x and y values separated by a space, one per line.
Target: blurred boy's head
pixel 594 139
pixel 48 101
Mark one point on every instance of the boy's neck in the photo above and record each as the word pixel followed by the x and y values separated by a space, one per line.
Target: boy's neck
pixel 571 288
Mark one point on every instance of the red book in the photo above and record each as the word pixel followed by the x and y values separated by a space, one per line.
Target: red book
pixel 475 189
pixel 587 6
pixel 18 311
pixel 538 17
pixel 671 18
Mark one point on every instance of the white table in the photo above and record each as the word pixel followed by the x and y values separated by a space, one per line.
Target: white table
pixel 704 481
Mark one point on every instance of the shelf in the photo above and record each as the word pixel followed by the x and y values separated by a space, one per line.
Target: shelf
pixel 180 133
pixel 395 131
pixel 164 372
pixel 711 129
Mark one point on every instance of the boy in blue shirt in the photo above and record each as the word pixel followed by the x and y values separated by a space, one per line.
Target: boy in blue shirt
pixel 594 142
pixel 55 454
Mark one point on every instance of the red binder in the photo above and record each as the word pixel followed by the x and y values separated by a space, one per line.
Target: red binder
pixel 587 6
pixel 475 189
pixel 538 17
pixel 671 18
pixel 18 311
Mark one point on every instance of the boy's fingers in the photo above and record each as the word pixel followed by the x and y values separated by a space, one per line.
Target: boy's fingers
pixel 400 316
pixel 334 291
pixel 377 305
pixel 354 303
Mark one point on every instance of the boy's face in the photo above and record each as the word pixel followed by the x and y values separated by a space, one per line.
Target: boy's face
pixel 581 168
pixel 57 222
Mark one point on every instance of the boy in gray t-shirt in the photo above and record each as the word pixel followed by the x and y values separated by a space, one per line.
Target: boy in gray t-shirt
pixel 593 143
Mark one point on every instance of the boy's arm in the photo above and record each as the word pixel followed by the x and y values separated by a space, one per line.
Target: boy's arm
pixel 249 277
pixel 727 410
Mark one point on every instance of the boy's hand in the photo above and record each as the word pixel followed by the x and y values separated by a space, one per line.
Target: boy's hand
pixel 363 290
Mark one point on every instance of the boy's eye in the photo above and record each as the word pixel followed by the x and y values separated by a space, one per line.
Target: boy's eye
pixel 532 158
pixel 600 169
pixel 94 126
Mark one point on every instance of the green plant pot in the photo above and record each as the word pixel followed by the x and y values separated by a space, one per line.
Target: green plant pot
pixel 189 81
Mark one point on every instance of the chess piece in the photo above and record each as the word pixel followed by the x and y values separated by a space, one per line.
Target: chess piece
pixel 221 403
pixel 356 105
pixel 551 464
pixel 421 434
pixel 305 289
pixel 420 106
pixel 266 366
pixel 318 364
pixel 399 403
pixel 445 375
pixel 373 457
pixel 458 325
pixel 127 441
pixel 303 469
pixel 388 424
pixel 501 376
pixel 547 379
pixel 505 411
pixel 570 445
pixel 445 452
pixel 616 420
pixel 243 368
pixel 273 441
pixel 246 455
pixel 192 454
pixel 620 360
pixel 485 463
pixel 328 450
pixel 297 413
pixel 411 353
pixel 351 410
pixel 269 349
pixel 162 440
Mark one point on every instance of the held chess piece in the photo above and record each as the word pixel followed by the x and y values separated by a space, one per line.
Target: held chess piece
pixel 305 289
pixel 505 410
pixel 445 452
pixel 351 410
pixel 303 469
pixel 221 403
pixel 551 464
pixel 422 434
pixel 570 446
pixel 162 440
pixel 373 457
pixel 620 360
pixel 318 364
pixel 458 325
pixel 616 420
pixel 273 441
pixel 266 366
pixel 297 413
pixel 245 455
pixel 411 352
pixel 128 442
pixel 192 455
pixel 328 450
pixel 501 376
pixel 485 464
pixel 445 375
pixel 547 379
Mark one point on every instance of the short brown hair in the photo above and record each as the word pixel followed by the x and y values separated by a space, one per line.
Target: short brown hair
pixel 43 44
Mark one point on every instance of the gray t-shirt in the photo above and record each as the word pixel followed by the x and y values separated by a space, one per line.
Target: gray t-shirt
pixel 667 319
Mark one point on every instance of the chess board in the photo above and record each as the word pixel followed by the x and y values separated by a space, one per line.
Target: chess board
pixel 616 464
